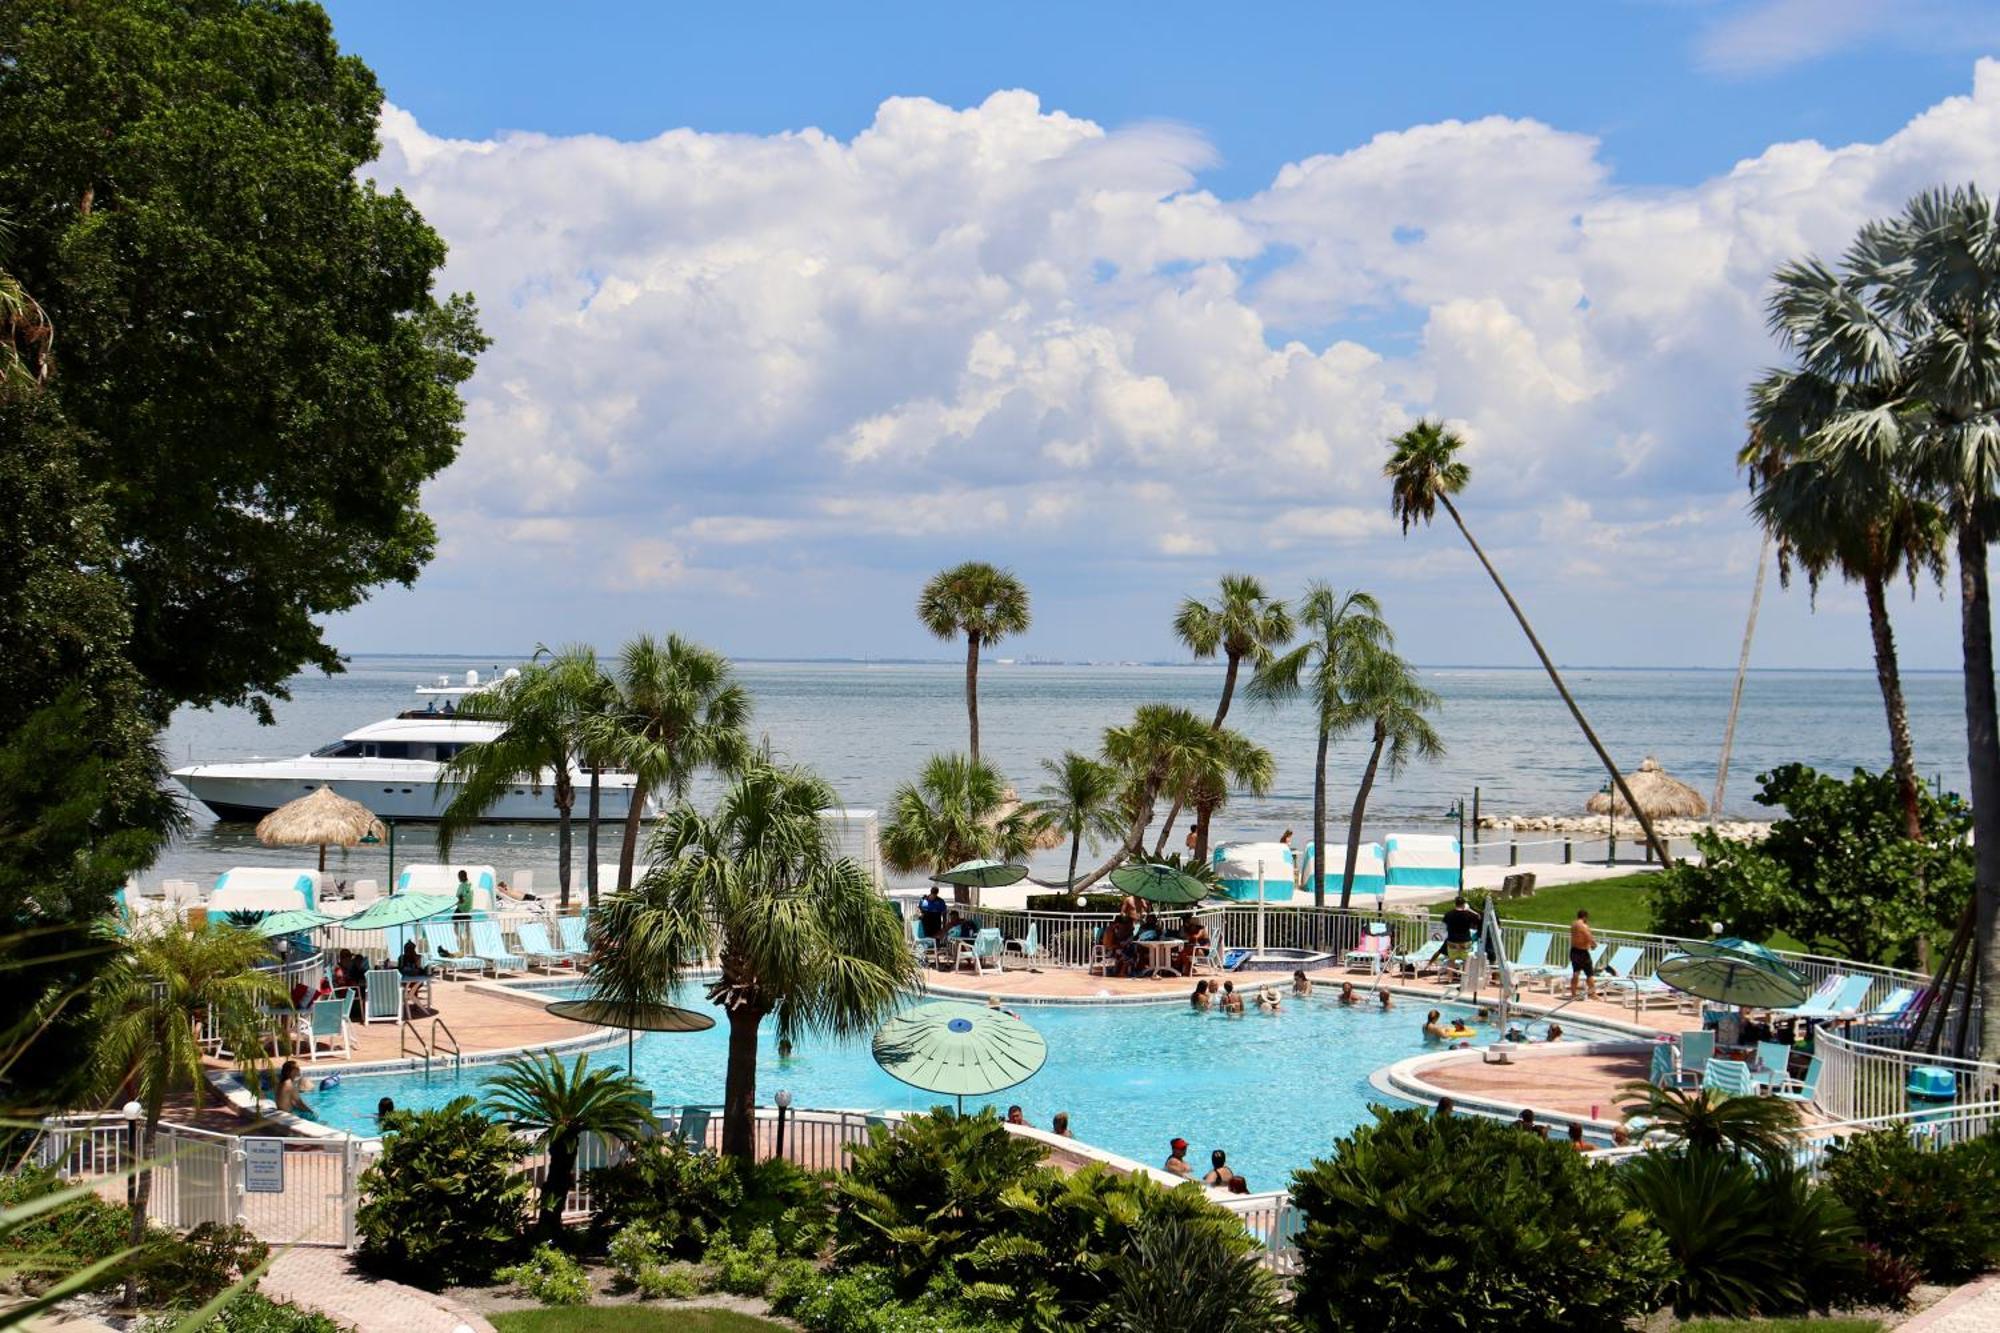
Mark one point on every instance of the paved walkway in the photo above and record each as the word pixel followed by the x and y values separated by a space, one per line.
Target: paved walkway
pixel 1973 1308
pixel 325 1280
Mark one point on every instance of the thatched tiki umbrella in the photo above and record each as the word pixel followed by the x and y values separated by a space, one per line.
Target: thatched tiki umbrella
pixel 1661 794
pixel 321 819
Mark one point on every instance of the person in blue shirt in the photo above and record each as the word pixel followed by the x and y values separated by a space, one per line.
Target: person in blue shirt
pixel 930 913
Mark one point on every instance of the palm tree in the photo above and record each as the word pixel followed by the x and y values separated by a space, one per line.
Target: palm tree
pixel 1079 801
pixel 1910 328
pixel 1848 513
pixel 1157 752
pixel 27 338
pixel 1708 1120
pixel 1424 471
pixel 166 982
pixel 985 604
pixel 1243 623
pixel 1383 691
pixel 1229 760
pixel 544 709
pixel 956 810
pixel 1338 627
pixel 679 711
pixel 800 932
pixel 559 1104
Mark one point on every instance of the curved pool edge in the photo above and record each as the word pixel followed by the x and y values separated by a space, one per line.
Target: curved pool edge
pixel 1404 1079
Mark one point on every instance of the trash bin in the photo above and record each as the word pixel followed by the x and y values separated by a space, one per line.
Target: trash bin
pixel 1932 1090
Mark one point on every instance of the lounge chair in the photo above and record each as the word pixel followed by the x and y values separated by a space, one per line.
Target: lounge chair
pixel 1802 1089
pixel 692 1128
pixel 448 955
pixel 921 945
pixel 1373 950
pixel 1731 1078
pixel 486 943
pixel 575 934
pixel 1623 968
pixel 384 1001
pixel 536 945
pixel 1892 1006
pixel 364 891
pixel 1664 1073
pixel 1426 955
pixel 1533 963
pixel 982 950
pixel 1843 1000
pixel 326 1020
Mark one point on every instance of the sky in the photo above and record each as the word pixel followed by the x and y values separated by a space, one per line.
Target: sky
pixel 794 305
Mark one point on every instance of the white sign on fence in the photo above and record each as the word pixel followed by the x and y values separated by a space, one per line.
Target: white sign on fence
pixel 264 1166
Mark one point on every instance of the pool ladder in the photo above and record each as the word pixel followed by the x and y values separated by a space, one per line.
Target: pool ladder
pixel 435 1047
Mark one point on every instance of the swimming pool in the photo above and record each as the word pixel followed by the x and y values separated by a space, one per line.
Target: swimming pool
pixel 1274 1090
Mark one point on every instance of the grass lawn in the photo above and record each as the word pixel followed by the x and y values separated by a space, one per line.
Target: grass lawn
pixel 1781 1325
pixel 1614 904
pixel 617 1318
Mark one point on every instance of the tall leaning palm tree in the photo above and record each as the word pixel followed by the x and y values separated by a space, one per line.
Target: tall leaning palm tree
pixel 1338 627
pixel 1382 689
pixel 956 810
pixel 985 604
pixel 1424 471
pixel 1912 323
pixel 1079 801
pixel 799 931
pixel 1243 624
pixel 165 983
pixel 560 1103
pixel 679 711
pixel 544 711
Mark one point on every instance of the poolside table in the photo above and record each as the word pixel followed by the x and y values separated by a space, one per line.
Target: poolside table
pixel 417 991
pixel 1157 956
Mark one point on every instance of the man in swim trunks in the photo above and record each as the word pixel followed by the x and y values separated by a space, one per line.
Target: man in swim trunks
pixel 1177 1159
pixel 1582 948
pixel 1460 924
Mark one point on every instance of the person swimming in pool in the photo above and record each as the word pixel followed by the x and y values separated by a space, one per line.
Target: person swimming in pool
pixel 1433 1029
pixel 1267 999
pixel 1232 1003
pixel 1201 998
pixel 1302 985
pixel 1387 1001
pixel 1347 995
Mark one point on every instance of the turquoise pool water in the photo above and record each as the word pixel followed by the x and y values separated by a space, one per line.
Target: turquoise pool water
pixel 1274 1090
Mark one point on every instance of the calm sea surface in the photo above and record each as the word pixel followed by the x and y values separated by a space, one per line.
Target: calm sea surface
pixel 868 727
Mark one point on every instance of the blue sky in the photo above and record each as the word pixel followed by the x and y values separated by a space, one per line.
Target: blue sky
pixel 1145 315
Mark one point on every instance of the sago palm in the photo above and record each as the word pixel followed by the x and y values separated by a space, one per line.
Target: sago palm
pixel 1710 1120
pixel 800 933
pixel 166 982
pixel 27 338
pixel 985 604
pixel 956 810
pixel 1079 802
pixel 544 712
pixel 1910 327
pixel 560 1103
pixel 1425 471
pixel 1337 627
pixel 679 711
pixel 1385 695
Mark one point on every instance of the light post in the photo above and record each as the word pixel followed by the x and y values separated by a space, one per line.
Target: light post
pixel 1457 812
pixel 784 1100
pixel 134 1114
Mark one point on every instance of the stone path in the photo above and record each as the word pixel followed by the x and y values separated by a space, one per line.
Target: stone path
pixel 1973 1308
pixel 325 1280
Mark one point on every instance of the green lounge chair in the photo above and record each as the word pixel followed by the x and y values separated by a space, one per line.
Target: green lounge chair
pixel 1731 1078
pixel 1697 1049
pixel 537 947
pixel 487 944
pixel 692 1128
pixel 575 937
pixel 385 996
pixel 448 954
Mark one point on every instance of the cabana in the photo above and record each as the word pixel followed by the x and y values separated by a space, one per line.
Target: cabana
pixel 1238 865
pixel 264 889
pixel 431 878
pixel 1421 861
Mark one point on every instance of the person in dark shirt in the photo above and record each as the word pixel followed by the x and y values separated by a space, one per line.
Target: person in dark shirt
pixel 930 913
pixel 1461 923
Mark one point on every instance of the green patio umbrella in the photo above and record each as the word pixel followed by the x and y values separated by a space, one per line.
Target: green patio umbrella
pixel 636 1016
pixel 291 922
pixel 982 874
pixel 960 1049
pixel 1729 946
pixel 1725 977
pixel 401 910
pixel 1159 883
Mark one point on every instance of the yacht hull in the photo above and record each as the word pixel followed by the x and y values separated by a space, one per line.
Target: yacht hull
pixel 237 792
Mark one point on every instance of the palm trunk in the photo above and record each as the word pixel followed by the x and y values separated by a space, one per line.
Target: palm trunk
pixel 590 838
pixel 1228 690
pixel 972 689
pixel 1555 677
pixel 1890 679
pixel 1319 824
pixel 1166 829
pixel 1202 815
pixel 1360 808
pixel 628 847
pixel 1982 760
pixel 1134 841
pixel 556 1184
pixel 142 1198
pixel 565 805
pixel 739 1087
pixel 1075 850
pixel 1736 693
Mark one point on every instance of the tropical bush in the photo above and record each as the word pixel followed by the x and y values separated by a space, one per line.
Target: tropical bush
pixel 549 1276
pixel 445 1201
pixel 684 1195
pixel 1837 870
pixel 73 1236
pixel 1419 1222
pixel 251 1313
pixel 1180 1273
pixel 1938 1210
pixel 1744 1241
pixel 1709 1120
pixel 743 1270
pixel 189 1271
pixel 559 1104
pixel 867 1300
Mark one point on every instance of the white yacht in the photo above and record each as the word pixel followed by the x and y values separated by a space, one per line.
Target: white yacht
pixel 392 767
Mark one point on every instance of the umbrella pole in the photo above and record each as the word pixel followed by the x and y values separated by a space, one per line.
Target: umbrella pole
pixel 322 858
pixel 1260 909
pixel 628 1050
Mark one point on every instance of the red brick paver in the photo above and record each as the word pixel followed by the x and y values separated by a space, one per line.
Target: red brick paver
pixel 326 1281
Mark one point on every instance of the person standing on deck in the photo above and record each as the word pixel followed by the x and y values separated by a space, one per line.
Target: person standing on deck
pixel 1582 948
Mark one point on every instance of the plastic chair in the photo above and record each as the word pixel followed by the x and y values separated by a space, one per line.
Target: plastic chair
pixel 364 891
pixel 384 1002
pixel 1804 1088
pixel 1373 950
pixel 1731 1078
pixel 535 943
pixel 1664 1072
pixel 1028 948
pixel 487 944
pixel 1774 1064
pixel 1697 1049
pixel 692 1128
pixel 326 1020
pixel 575 937
pixel 447 952
pixel 982 949
pixel 922 945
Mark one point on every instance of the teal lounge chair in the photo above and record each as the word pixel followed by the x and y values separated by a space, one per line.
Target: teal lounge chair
pixel 1663 1074
pixel 1802 1089
pixel 1841 1001
pixel 692 1128
pixel 447 953
pixel 385 996
pixel 1534 956
pixel 1426 955
pixel 539 948
pixel 1028 949
pixel 982 951
pixel 486 942
pixel 1697 1049
pixel 1892 1006
pixel 1731 1078
pixel 921 945
pixel 575 937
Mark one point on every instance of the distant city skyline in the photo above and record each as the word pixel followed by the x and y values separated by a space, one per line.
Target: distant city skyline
pixel 790 313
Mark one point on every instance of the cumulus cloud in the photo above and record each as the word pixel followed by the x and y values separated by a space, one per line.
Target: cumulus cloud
pixel 762 365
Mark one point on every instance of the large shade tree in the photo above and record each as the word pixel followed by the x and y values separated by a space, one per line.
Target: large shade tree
pixel 545 711
pixel 678 712
pixel 252 349
pixel 1338 627
pixel 799 933
pixel 957 810
pixel 1910 321
pixel 1383 692
pixel 1425 471
pixel 985 604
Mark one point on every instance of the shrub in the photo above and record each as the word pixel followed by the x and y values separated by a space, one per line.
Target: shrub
pixel 77 1234
pixel 1178 1273
pixel 1938 1210
pixel 686 1197
pixel 632 1251
pixel 793 1204
pixel 1884 1279
pixel 252 1313
pixel 549 1276
pixel 743 1270
pixel 189 1271
pixel 1421 1222
pixel 864 1300
pixel 669 1282
pixel 444 1202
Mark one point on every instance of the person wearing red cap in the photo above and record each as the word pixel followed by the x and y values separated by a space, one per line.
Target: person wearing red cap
pixel 1177 1159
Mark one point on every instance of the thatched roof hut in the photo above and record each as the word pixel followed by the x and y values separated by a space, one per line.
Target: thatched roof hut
pixel 1658 792
pixel 321 819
